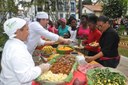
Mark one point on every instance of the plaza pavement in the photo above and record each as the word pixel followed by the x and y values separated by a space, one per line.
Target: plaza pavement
pixel 123 65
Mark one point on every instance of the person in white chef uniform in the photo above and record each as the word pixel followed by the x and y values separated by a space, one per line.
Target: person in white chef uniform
pixel 18 67
pixel 38 29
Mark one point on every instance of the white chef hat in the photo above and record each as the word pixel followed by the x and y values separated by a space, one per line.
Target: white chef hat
pixel 42 15
pixel 12 25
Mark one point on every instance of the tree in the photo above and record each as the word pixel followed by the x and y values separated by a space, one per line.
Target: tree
pixel 114 8
pixel 87 2
pixel 7 7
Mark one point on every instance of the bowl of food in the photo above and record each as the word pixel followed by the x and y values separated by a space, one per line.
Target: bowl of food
pixel 64 49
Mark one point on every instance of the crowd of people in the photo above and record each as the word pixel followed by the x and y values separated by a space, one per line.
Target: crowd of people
pixel 18 67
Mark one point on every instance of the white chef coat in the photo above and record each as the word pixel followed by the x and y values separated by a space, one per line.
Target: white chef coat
pixel 18 67
pixel 35 33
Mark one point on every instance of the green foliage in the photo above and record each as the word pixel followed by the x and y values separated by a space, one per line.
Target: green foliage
pixel 53 5
pixel 3 37
pixel 39 2
pixel 11 6
pixel 87 2
pixel 121 29
pixel 6 6
pixel 114 8
pixel 123 51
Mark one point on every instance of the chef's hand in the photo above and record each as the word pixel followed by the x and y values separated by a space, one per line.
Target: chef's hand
pixel 67 41
pixel 89 59
pixel 44 67
pixel 49 42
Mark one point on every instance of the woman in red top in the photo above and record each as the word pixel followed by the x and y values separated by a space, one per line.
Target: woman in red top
pixel 52 28
pixel 83 30
pixel 94 36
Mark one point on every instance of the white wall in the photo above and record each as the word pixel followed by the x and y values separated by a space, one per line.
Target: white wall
pixel 98 13
pixel 86 10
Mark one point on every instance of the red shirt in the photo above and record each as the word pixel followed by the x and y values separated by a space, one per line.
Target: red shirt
pixel 53 29
pixel 92 37
pixel 83 32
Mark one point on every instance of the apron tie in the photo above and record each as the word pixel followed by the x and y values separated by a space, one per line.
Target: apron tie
pixel 108 58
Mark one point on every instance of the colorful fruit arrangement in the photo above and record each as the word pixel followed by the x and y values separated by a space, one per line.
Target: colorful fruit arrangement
pixel 47 49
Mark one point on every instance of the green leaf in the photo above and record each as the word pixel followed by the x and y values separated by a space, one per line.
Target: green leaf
pixel 69 78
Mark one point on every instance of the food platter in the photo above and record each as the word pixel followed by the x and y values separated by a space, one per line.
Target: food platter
pixel 60 72
pixel 106 76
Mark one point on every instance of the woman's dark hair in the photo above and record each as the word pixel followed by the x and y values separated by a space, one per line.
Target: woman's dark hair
pixel 106 19
pixel 84 16
pixel 92 19
pixel 50 23
pixel 38 20
pixel 103 19
pixel 70 19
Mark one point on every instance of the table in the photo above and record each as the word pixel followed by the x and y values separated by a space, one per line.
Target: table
pixel 76 75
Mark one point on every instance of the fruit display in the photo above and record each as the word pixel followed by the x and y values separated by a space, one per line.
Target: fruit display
pixel 105 76
pixel 63 64
pixel 47 50
pixel 64 49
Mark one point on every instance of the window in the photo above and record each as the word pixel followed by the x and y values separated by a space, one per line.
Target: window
pixel 60 6
pixel 66 6
pixel 61 15
pixel 72 6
